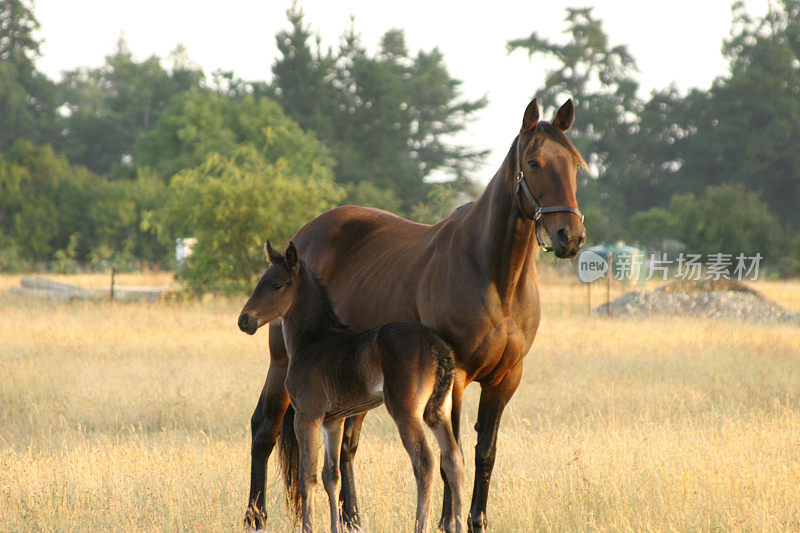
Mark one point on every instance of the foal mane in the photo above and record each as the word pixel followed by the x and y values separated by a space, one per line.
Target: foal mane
pixel 328 313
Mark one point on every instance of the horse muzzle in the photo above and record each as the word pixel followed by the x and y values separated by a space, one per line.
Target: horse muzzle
pixel 567 243
pixel 248 323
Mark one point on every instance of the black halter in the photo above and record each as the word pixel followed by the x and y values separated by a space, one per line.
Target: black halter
pixel 538 210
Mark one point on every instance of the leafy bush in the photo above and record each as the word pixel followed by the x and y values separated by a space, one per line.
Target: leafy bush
pixel 232 205
pixel 727 219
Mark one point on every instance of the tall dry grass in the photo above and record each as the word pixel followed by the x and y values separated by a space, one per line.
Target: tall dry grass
pixel 135 417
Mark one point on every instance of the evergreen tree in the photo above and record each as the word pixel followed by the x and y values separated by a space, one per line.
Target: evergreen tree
pixel 386 117
pixel 111 107
pixel 27 97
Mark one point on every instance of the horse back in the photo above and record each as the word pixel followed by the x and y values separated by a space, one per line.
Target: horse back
pixel 370 261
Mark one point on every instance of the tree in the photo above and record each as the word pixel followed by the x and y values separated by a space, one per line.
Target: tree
pixel 43 202
pixel 201 122
pixel 385 117
pixel 111 107
pixel 745 128
pixel 231 205
pixel 726 219
pixel 27 97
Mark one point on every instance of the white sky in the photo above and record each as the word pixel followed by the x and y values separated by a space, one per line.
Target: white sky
pixel 676 42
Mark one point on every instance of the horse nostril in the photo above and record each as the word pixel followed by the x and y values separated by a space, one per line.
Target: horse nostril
pixel 562 236
pixel 244 322
pixel 581 239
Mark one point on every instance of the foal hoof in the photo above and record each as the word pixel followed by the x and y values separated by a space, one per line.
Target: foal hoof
pixel 254 519
pixel 446 526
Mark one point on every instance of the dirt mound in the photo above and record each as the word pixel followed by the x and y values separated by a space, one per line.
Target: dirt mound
pixel 704 286
pixel 717 299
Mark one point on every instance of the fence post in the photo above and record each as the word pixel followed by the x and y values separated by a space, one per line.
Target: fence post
pixel 113 271
pixel 608 283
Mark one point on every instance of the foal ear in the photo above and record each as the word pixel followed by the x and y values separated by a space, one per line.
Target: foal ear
pixel 531 116
pixel 565 115
pixel 291 255
pixel 272 256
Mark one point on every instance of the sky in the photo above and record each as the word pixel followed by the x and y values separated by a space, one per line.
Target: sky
pixel 677 42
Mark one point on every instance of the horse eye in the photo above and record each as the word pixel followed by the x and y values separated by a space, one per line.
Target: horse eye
pixel 533 164
pixel 276 286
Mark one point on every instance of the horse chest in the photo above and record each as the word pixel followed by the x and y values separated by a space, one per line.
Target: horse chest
pixel 492 351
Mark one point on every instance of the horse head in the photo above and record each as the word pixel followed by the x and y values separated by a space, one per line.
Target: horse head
pixel 275 291
pixel 545 179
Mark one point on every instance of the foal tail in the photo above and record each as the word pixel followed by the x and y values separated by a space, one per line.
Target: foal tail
pixel 445 363
pixel 289 454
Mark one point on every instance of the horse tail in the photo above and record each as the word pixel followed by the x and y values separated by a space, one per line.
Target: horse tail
pixel 289 454
pixel 445 363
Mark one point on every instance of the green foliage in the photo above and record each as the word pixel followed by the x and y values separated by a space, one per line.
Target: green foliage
pixel 51 210
pixel 745 129
pixel 26 96
pixel 42 201
pixel 440 203
pixel 366 194
pixel 726 219
pixel 111 107
pixel 198 123
pixel 385 117
pixel 232 205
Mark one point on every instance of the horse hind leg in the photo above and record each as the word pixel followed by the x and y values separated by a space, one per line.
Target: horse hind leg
pixel 347 495
pixel 331 479
pixel 413 437
pixel 307 430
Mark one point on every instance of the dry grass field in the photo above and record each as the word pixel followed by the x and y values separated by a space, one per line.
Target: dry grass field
pixel 135 417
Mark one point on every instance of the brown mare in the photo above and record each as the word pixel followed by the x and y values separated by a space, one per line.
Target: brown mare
pixel 335 372
pixel 471 278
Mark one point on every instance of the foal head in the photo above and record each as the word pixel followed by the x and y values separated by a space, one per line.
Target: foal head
pixel 275 291
pixel 549 163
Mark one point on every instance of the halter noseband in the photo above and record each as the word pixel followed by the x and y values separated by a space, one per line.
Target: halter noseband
pixel 538 210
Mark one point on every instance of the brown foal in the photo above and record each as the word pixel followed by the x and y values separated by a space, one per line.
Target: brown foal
pixel 335 372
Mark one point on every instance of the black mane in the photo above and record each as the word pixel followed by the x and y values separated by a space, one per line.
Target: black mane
pixel 328 312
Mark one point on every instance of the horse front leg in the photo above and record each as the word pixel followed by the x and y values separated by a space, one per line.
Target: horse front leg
pixel 265 426
pixel 494 398
pixel 347 496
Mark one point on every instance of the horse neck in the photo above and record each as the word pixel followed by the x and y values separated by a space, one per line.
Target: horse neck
pixel 311 315
pixel 503 240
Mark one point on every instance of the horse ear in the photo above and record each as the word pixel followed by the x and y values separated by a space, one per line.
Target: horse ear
pixel 272 256
pixel 531 116
pixel 565 115
pixel 291 255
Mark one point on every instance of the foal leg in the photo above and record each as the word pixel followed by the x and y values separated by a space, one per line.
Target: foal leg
pixel 333 432
pixel 347 496
pixel 453 467
pixel 446 523
pixel 307 430
pixel 494 398
pixel 413 437
pixel 265 425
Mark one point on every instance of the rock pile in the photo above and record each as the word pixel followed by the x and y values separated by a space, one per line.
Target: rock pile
pixel 717 299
